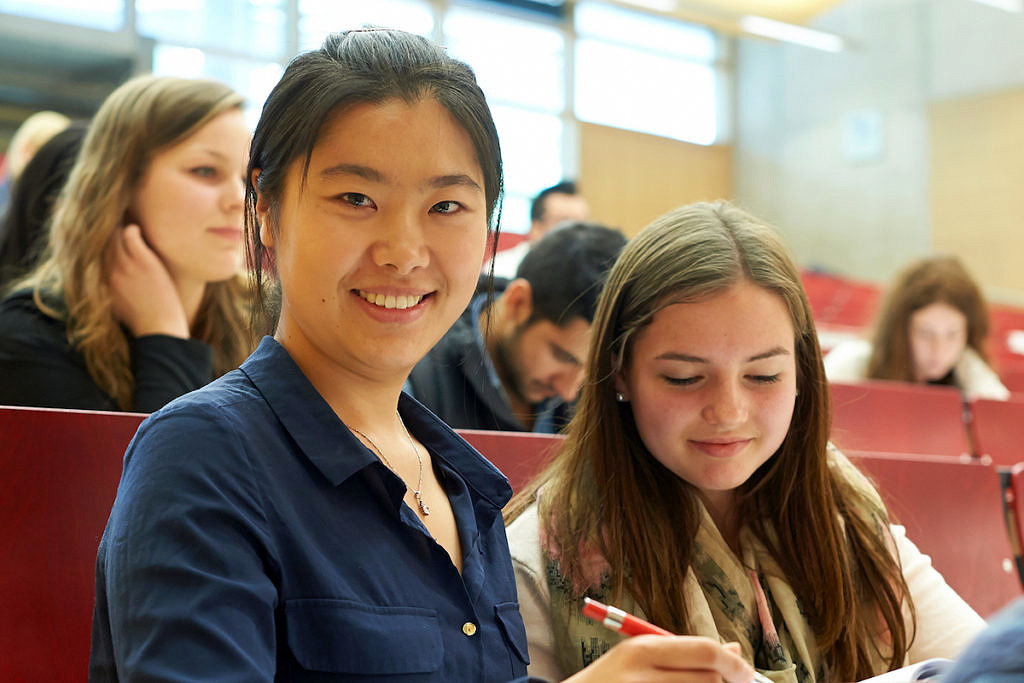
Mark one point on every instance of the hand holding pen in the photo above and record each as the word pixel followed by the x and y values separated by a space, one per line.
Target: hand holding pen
pixel 672 658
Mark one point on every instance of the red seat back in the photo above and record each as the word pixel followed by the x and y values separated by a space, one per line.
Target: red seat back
pixel 1006 341
pixel 821 289
pixel 999 429
pixel 837 300
pixel 519 455
pixel 1015 501
pixel 1012 377
pixel 899 417
pixel 506 240
pixel 60 473
pixel 953 512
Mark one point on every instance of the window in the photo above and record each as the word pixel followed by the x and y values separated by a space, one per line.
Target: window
pixel 531 148
pixel 251 27
pixel 645 74
pixel 616 66
pixel 106 15
pixel 515 61
pixel 317 18
pixel 520 66
pixel 253 80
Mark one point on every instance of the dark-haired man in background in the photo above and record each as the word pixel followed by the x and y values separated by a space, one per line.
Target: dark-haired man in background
pixel 517 365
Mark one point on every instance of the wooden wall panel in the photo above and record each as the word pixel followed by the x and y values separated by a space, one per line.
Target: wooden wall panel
pixel 977 186
pixel 631 178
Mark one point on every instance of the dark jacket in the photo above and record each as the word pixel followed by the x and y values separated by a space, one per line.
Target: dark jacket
pixel 458 382
pixel 40 368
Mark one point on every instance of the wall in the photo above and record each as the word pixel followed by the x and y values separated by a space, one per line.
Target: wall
pixel 631 178
pixel 860 209
pixel 977 186
pixel 933 88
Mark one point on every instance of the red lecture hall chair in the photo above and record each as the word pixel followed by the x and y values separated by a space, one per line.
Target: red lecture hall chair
pixel 60 473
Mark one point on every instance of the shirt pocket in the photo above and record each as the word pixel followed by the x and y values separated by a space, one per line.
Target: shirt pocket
pixel 342 636
pixel 507 614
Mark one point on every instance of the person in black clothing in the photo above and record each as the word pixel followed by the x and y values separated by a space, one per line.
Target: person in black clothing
pixel 138 297
pixel 23 226
pixel 517 363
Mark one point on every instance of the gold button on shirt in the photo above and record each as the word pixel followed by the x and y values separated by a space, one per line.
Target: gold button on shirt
pixel 469 628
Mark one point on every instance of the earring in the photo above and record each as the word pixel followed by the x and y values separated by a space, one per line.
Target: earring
pixel 620 397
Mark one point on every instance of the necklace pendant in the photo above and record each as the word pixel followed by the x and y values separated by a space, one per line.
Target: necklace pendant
pixel 423 506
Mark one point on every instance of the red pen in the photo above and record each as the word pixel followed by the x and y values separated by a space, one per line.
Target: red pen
pixel 618 620
pixel 624 622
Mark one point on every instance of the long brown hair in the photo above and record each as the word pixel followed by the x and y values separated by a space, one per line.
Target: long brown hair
pixel 810 518
pixel 936 279
pixel 139 119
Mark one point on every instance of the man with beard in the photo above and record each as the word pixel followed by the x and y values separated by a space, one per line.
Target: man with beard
pixel 517 364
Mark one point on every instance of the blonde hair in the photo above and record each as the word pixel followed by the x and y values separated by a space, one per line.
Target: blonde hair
pixel 794 500
pixel 32 134
pixel 139 119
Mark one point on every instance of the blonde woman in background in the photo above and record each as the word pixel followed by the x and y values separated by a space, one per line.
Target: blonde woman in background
pixel 138 298
pixel 32 134
pixel 931 329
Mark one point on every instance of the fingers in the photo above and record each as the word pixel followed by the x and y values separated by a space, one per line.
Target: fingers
pixel 144 296
pixel 133 245
pixel 699 655
pixel 670 658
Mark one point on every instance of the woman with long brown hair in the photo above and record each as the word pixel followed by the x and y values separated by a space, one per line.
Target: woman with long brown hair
pixel 697 487
pixel 138 298
pixel 931 329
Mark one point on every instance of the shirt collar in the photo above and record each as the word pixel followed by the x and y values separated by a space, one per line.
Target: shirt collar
pixel 482 478
pixel 335 451
pixel 305 415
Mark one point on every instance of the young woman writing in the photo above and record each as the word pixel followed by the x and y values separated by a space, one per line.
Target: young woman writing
pixel 697 489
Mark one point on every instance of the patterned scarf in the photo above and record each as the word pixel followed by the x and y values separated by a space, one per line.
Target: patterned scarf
pixel 730 599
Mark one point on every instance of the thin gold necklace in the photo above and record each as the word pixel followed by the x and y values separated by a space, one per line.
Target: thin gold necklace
pixel 418 491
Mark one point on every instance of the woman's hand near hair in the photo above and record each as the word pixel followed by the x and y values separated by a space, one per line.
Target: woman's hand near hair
pixel 145 299
pixel 689 659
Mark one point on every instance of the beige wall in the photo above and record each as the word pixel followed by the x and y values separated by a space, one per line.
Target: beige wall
pixel 976 182
pixel 977 186
pixel 631 178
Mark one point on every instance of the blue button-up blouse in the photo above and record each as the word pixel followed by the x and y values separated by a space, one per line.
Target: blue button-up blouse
pixel 254 538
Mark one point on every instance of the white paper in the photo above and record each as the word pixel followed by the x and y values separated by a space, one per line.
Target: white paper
pixel 920 671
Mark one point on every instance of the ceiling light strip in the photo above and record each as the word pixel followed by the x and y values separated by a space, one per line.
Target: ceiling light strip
pixel 790 33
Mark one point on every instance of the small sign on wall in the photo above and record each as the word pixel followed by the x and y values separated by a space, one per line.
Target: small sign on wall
pixel 863 135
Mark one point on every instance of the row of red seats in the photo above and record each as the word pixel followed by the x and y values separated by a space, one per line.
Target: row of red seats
pixel 61 468
pixel 935 422
pixel 912 418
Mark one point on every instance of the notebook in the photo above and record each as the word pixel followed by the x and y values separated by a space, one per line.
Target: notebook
pixel 929 669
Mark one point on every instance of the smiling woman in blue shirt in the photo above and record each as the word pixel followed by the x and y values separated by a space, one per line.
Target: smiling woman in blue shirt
pixel 300 518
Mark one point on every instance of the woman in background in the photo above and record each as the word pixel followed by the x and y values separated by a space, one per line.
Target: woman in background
pixel 33 198
pixel 697 488
pixel 138 298
pixel 931 329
